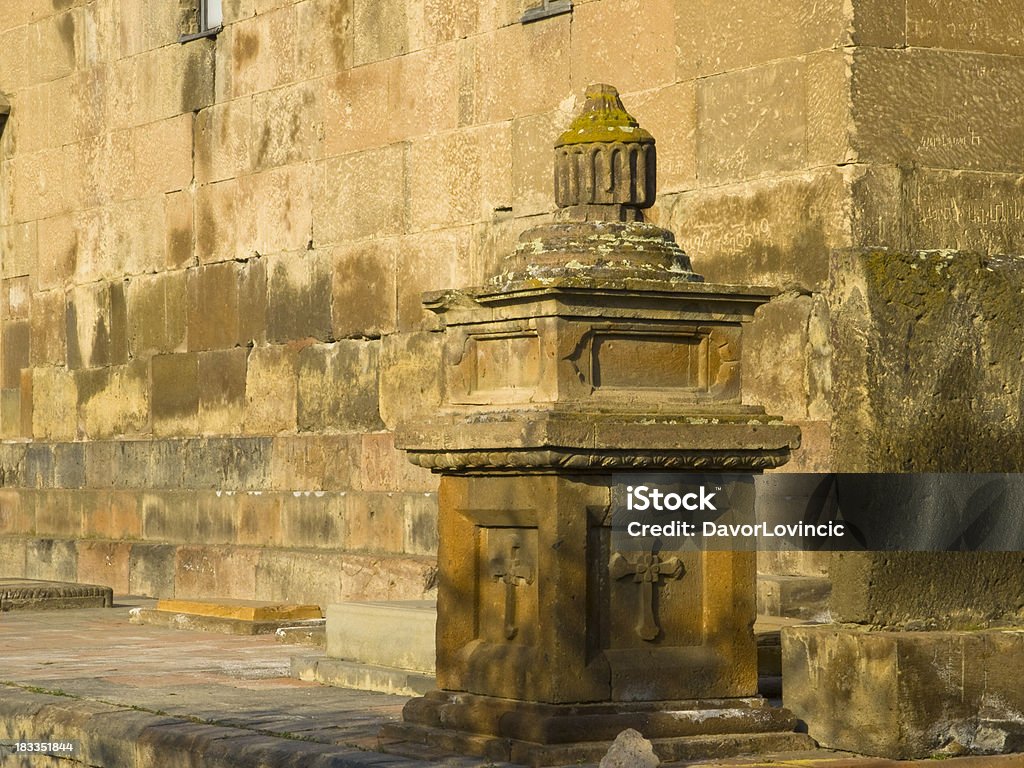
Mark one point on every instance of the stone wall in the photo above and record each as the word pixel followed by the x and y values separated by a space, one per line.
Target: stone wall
pixel 214 251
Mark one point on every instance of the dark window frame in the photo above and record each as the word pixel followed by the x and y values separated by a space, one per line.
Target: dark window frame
pixel 546 10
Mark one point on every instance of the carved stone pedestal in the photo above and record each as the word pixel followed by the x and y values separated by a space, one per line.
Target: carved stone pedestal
pixel 596 351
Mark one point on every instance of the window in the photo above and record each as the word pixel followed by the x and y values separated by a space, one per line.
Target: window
pixel 547 8
pixel 211 18
pixel 205 19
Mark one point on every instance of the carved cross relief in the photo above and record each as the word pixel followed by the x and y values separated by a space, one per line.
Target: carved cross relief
pixel 647 570
pixel 513 574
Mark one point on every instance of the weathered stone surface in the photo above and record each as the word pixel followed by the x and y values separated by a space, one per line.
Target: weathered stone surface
pixel 905 694
pixel 992 27
pixel 926 590
pixel 938 127
pixel 299 297
pixel 271 389
pixel 398 634
pixel 337 386
pixel 354 195
pixel 924 387
pixel 175 393
pixel 156 313
pixel 712 38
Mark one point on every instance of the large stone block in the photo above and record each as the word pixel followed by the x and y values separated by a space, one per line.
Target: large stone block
pixel 538 83
pixel 113 401
pixel 330 22
pixel 627 42
pixel 410 377
pixel 222 375
pixel 151 570
pixel 225 223
pixel 992 26
pixel 299 296
pixel 12 555
pixel 56 41
pixel 15 342
pixel 258 519
pixel 271 392
pixel 431 261
pixel 375 522
pixel 156 313
pixel 174 398
pixel 713 37
pixel 337 386
pixel 670 114
pixel 171 168
pixel 424 93
pixel 356 103
pixel 421 524
pixel 786 365
pixel 286 126
pixel 313 519
pixel 56 393
pixel 203 572
pixel 947 590
pixel 223 142
pixel 774 232
pixel 105 563
pixel 380 30
pixel 753 122
pixel 113 515
pixel 17 512
pixel 363 194
pixel 364 282
pixel 169 516
pixel 906 694
pixel 314 462
pixel 283 208
pixel 919 383
pixel 97 325
pixel 213 311
pixel 58 247
pixel 51 560
pixel 49 343
pixel 934 120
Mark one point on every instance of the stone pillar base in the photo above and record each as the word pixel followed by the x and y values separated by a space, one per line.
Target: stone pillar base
pixel 903 695
pixel 560 734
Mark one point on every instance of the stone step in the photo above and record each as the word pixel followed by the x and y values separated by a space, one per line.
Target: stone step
pixel 795 597
pixel 397 634
pixel 235 617
pixel 365 677
pixel 38 594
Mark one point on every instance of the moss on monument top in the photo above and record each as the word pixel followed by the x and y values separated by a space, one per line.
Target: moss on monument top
pixel 604 120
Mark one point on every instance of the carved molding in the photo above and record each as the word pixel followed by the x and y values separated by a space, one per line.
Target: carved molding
pixel 554 460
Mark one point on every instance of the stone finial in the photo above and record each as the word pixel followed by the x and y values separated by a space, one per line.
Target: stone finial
pixel 604 163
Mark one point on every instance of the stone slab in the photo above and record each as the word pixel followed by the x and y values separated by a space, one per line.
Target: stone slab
pixel 221 624
pixel 243 610
pixel 397 634
pixel 363 677
pixel 38 594
pixel 903 694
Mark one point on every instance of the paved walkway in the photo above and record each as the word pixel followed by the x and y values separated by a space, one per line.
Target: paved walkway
pixel 148 697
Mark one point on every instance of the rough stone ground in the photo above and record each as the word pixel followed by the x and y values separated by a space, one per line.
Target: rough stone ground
pixel 149 697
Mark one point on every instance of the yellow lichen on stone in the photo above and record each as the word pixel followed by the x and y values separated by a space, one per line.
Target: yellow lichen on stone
pixel 604 119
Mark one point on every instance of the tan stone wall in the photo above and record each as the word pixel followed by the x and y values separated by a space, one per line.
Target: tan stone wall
pixel 228 238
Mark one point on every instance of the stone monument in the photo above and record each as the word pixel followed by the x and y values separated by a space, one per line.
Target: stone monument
pixel 596 350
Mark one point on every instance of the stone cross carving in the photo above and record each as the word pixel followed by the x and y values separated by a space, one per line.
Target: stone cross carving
pixel 648 569
pixel 513 575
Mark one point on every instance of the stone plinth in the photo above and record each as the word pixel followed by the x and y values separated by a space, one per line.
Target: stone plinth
pixel 597 350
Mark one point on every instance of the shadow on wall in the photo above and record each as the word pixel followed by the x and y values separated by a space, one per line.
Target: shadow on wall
pixel 928 367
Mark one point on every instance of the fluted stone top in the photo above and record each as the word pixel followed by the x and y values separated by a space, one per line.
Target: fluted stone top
pixel 604 120
pixel 605 175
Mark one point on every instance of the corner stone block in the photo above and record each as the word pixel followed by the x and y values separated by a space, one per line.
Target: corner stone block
pixel 271 389
pixel 337 386
pixel 939 125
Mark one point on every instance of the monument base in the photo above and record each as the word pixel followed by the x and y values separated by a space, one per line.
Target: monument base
pixel 558 734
